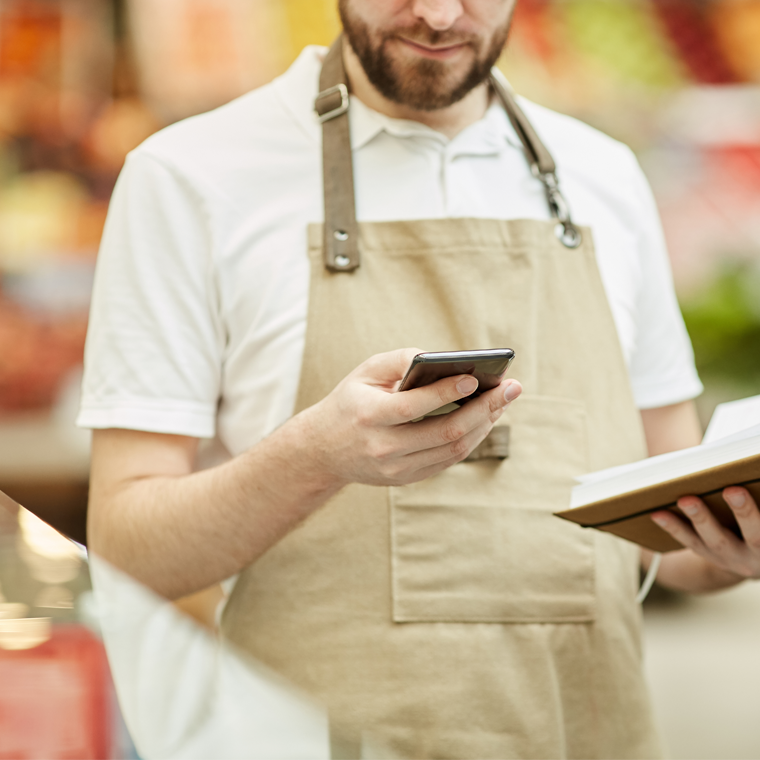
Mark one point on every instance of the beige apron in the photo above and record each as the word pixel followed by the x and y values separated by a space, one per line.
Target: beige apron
pixel 457 617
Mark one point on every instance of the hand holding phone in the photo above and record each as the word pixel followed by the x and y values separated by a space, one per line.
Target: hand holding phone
pixel 359 433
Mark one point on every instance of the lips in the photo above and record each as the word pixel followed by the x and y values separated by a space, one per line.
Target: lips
pixel 433 51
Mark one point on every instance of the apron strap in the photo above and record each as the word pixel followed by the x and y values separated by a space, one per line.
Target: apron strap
pixel 539 158
pixel 341 232
pixel 541 163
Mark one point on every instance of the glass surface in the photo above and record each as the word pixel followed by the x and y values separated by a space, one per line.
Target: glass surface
pixel 93 664
pixel 183 691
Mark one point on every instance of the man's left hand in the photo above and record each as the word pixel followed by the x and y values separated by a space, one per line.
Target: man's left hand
pixel 729 559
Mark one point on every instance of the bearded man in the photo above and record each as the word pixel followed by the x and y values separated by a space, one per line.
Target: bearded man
pixel 262 270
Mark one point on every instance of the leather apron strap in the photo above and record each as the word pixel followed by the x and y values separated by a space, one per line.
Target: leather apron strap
pixel 341 232
pixel 541 164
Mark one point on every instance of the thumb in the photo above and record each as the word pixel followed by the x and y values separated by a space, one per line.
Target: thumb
pixel 388 369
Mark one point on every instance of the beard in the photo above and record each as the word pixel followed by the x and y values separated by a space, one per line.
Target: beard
pixel 425 85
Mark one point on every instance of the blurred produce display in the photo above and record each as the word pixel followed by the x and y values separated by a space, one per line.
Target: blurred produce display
pixel 56 72
pixel 723 318
pixel 679 81
pixel 82 82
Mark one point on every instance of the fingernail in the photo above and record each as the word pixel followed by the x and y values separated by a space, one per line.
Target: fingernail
pixel 511 392
pixel 467 385
pixel 689 508
pixel 735 498
pixel 660 520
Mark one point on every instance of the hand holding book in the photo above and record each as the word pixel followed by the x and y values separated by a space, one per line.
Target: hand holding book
pixel 623 500
pixel 708 538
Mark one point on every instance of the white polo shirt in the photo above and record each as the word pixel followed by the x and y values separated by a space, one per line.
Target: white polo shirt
pixel 199 309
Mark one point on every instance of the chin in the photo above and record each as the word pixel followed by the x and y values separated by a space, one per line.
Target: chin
pixel 444 76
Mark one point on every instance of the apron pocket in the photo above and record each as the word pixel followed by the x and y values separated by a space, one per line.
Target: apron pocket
pixel 479 543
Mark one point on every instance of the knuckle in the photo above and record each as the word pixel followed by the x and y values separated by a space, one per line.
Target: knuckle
pixel 364 417
pixel 720 545
pixel 678 530
pixel 390 471
pixel 753 542
pixel 404 408
pixel 379 450
pixel 393 471
pixel 745 510
pixel 459 450
pixel 442 389
pixel 495 403
pixel 746 569
pixel 451 432
pixel 701 518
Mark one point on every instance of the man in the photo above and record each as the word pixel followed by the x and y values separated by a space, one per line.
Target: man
pixel 431 600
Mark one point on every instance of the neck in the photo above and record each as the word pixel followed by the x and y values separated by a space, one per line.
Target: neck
pixel 448 121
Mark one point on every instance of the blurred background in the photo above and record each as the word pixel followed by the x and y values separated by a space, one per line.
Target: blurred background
pixel 82 82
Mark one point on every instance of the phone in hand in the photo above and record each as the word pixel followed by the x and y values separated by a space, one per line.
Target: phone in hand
pixel 487 365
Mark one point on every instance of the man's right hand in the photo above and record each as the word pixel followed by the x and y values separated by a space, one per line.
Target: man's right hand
pixel 180 531
pixel 363 432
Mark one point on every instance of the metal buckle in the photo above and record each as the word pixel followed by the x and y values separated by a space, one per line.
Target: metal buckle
pixel 557 204
pixel 341 109
pixel 568 234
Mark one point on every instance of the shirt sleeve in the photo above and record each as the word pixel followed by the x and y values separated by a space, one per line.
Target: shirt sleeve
pixel 662 364
pixel 153 357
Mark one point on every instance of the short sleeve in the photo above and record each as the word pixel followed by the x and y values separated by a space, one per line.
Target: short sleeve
pixel 662 364
pixel 155 340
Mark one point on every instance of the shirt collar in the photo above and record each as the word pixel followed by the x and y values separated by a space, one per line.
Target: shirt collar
pixel 299 85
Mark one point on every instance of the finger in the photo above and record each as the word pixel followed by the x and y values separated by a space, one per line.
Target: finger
pixel 488 406
pixel 423 464
pixel 723 544
pixel 746 513
pixel 410 405
pixel 681 531
pixel 447 428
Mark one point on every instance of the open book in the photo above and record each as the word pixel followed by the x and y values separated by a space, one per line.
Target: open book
pixel 619 500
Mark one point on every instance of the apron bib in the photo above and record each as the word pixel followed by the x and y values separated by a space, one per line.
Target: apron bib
pixel 457 617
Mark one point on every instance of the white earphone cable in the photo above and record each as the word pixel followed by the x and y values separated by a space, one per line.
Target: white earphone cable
pixel 654 566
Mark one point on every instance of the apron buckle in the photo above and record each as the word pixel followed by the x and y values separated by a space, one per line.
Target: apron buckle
pixel 567 233
pixel 338 89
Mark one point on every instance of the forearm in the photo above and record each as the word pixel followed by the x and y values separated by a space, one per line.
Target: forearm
pixel 688 572
pixel 181 533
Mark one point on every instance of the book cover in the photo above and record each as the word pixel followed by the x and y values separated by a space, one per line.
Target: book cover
pixel 620 500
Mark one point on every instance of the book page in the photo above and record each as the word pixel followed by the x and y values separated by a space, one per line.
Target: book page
pixel 732 418
pixel 731 421
pixel 625 469
pixel 675 464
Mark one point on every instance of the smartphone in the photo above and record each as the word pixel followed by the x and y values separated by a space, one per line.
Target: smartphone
pixel 488 366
